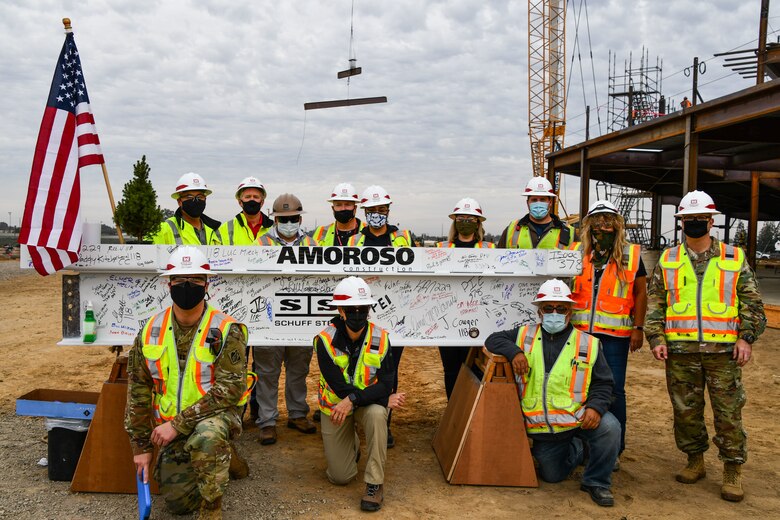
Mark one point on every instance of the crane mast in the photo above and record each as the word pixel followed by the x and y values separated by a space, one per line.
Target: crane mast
pixel 546 79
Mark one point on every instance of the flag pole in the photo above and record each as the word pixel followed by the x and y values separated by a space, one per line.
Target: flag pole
pixel 69 28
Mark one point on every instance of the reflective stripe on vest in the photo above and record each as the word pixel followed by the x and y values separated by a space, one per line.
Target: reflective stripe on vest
pixel 612 311
pixel 326 235
pixel 373 351
pixel 706 311
pixel 174 392
pixel 553 402
pixel 399 238
pixel 486 245
pixel 175 230
pixel 521 238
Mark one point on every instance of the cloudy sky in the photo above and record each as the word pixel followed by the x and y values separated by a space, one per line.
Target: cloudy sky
pixel 218 88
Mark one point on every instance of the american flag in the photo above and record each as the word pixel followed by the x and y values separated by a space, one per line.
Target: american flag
pixel 51 227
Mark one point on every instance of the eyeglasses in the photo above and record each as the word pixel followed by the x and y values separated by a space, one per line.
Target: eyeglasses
pixel 465 218
pixel 179 280
pixel 288 219
pixel 560 309
pixel 696 218
pixel 602 227
pixel 382 210
pixel 187 198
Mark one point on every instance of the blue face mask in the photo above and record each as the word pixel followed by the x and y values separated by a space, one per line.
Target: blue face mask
pixel 553 322
pixel 539 209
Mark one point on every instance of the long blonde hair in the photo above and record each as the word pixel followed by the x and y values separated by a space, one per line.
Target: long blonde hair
pixel 607 220
pixel 479 233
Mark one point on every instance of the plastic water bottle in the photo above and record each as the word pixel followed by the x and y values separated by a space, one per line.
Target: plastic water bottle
pixel 89 326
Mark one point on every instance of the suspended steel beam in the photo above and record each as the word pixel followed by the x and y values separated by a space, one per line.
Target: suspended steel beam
pixel 344 103
pixel 349 72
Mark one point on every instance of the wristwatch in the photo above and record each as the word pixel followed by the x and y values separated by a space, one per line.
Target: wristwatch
pixel 352 397
pixel 639 327
pixel 748 337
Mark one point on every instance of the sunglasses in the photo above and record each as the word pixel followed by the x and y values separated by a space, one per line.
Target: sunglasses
pixel 460 218
pixel 560 309
pixel 700 218
pixel 288 219
pixel 187 198
pixel 179 280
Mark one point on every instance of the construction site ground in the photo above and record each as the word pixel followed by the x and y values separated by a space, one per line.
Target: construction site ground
pixel 288 479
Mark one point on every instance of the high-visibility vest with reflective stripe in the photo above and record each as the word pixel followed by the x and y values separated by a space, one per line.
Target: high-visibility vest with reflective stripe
pixel 372 352
pixel 487 245
pixel 237 232
pixel 326 235
pixel 266 240
pixel 706 311
pixel 612 312
pixel 554 402
pixel 171 233
pixel 174 392
pixel 398 238
pixel 554 238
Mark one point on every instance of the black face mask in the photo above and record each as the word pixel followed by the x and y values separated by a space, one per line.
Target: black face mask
pixel 344 215
pixel 187 295
pixel 356 318
pixel 695 228
pixel 194 207
pixel 251 207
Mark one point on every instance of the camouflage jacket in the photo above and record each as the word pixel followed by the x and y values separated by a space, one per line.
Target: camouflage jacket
pixel 225 393
pixel 751 308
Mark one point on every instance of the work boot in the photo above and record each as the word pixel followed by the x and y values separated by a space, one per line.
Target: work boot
pixel 267 435
pixel 372 500
pixel 731 489
pixel 238 466
pixel 693 471
pixel 302 424
pixel 211 510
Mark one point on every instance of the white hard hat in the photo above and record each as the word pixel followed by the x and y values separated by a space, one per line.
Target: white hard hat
pixel 696 203
pixel 602 206
pixel 189 182
pixel 468 206
pixel 553 291
pixel 344 191
pixel 375 196
pixel 351 291
pixel 250 182
pixel 539 187
pixel 187 260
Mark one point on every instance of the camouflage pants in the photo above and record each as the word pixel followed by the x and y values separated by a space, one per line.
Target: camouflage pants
pixel 196 467
pixel 686 377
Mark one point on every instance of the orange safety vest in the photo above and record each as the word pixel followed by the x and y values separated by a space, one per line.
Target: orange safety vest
pixel 612 312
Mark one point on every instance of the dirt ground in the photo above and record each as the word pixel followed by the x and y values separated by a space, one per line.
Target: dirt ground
pixel 288 479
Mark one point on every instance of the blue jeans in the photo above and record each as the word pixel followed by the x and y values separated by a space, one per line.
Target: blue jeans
pixel 615 351
pixel 558 458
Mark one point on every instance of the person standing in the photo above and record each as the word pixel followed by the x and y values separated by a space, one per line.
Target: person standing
pixel 539 228
pixel 378 233
pixel 250 224
pixel 704 314
pixel 565 386
pixel 466 231
pixel 189 225
pixel 610 296
pixel 187 383
pixel 356 382
pixel 344 201
pixel 286 231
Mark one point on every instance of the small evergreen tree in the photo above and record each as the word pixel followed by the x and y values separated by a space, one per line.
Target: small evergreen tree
pixel 138 213
pixel 740 237
pixel 767 237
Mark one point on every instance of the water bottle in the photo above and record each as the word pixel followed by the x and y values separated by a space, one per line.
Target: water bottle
pixel 89 326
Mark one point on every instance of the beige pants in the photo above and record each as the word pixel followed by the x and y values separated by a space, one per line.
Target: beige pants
pixel 341 445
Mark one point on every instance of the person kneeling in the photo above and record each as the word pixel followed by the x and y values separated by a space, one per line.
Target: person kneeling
pixel 565 387
pixel 356 382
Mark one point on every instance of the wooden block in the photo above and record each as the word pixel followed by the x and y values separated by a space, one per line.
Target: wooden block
pixel 452 428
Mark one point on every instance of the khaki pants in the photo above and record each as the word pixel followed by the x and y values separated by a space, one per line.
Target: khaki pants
pixel 342 444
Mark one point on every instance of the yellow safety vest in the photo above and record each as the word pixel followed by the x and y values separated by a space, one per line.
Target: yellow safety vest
pixel 174 392
pixel 398 238
pixel 706 312
pixel 552 239
pixel 326 235
pixel 237 232
pixel 374 349
pixel 553 402
pixel 488 245
pixel 266 240
pixel 613 310
pixel 171 233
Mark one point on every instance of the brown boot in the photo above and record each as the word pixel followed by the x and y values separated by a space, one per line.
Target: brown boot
pixel 731 489
pixel 238 466
pixel 693 471
pixel 211 510
pixel 372 500
pixel 267 435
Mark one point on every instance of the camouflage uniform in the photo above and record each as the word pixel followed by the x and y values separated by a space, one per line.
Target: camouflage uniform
pixel 692 365
pixel 195 465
